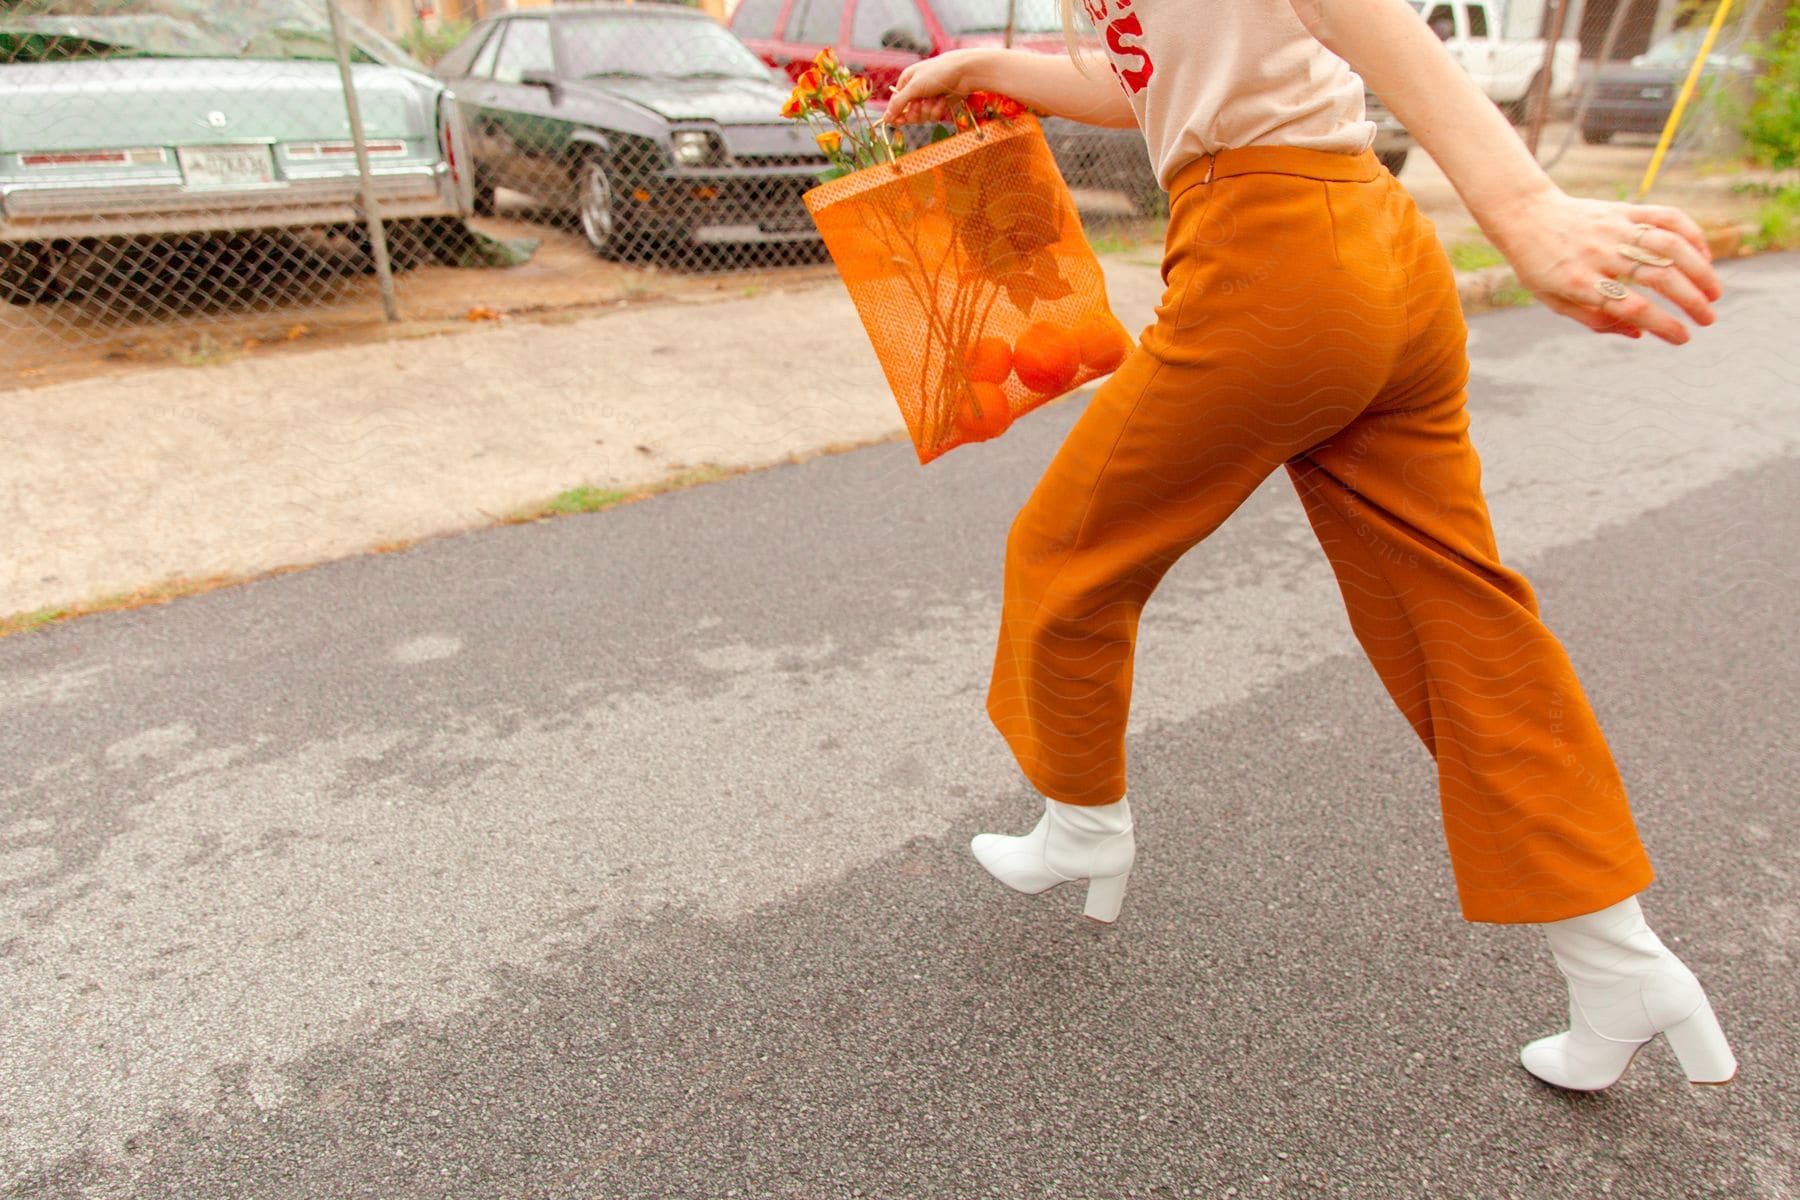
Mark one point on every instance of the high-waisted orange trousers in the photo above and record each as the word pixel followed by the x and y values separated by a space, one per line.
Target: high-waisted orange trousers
pixel 1311 321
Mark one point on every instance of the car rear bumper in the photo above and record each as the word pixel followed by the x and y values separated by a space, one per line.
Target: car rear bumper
pixel 38 211
pixel 1624 118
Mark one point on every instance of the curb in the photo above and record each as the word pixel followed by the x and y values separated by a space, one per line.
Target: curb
pixel 1477 289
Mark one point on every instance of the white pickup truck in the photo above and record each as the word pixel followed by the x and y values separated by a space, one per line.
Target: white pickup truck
pixel 1506 68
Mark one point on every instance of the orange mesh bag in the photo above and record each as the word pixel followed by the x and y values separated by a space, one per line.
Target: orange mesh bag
pixel 968 265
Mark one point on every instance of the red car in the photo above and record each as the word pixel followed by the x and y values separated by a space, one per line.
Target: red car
pixel 880 38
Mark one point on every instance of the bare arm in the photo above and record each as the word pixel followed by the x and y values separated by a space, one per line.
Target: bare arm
pixel 1050 83
pixel 1559 246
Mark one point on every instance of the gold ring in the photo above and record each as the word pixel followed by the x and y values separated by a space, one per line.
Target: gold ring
pixel 1641 231
pixel 1648 258
pixel 1612 289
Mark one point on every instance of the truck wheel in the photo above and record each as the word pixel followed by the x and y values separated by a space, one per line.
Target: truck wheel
pixel 1394 160
pixel 1596 137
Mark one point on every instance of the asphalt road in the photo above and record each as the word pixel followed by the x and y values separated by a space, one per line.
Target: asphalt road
pixel 626 855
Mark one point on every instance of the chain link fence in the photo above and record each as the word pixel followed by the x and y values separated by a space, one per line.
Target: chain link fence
pixel 181 180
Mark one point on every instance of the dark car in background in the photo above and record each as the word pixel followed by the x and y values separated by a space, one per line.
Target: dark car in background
pixel 649 122
pixel 880 38
pixel 1638 96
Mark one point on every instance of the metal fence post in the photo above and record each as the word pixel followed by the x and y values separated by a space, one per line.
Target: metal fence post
pixel 371 208
pixel 1538 98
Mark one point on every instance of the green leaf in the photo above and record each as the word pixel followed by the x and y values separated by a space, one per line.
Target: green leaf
pixel 940 132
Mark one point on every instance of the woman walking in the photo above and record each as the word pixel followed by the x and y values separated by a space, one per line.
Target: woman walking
pixel 1311 322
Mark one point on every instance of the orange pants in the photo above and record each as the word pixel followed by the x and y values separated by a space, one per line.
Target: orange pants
pixel 1311 321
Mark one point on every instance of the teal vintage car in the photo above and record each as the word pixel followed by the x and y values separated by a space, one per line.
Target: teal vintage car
pixel 180 117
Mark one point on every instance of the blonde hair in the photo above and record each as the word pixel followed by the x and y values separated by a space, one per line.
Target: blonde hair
pixel 1069 20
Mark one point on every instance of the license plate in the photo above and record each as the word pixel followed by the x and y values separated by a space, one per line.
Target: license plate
pixel 214 167
pixel 1654 93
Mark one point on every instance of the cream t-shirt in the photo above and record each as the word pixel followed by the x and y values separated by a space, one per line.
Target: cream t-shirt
pixel 1209 75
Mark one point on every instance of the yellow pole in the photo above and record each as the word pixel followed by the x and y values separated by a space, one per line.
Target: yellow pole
pixel 1687 90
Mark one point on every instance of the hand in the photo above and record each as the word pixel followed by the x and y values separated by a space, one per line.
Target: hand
pixel 1561 247
pixel 929 89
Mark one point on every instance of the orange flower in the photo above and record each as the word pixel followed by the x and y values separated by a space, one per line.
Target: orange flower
pixel 795 106
pixel 964 119
pixel 860 89
pixel 836 101
pixel 829 141
pixel 809 82
pixel 826 61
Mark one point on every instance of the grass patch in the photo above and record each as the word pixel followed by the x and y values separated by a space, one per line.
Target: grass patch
pixel 1511 295
pixel 1112 242
pixel 205 352
pixel 24 622
pixel 582 500
pixel 1474 255
pixel 1775 225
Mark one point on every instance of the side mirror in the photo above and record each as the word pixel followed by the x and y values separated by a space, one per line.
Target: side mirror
pixel 544 79
pixel 904 40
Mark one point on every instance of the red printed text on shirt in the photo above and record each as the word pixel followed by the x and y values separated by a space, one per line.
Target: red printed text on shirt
pixel 1124 34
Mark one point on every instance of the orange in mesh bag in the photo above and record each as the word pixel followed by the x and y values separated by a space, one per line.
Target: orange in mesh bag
pixel 968 265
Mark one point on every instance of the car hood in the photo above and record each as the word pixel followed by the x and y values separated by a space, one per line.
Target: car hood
pixel 169 101
pixel 726 101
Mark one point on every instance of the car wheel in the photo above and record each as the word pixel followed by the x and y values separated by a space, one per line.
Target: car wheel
pixel 1394 160
pixel 27 274
pixel 1597 137
pixel 596 204
pixel 483 198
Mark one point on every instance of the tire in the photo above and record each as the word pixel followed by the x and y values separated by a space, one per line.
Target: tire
pixel 1597 137
pixel 596 206
pixel 1394 161
pixel 482 201
pixel 26 274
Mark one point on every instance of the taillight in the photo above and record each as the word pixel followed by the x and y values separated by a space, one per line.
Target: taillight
pixel 383 149
pixel 135 156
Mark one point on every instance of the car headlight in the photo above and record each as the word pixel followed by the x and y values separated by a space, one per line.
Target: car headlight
pixel 693 147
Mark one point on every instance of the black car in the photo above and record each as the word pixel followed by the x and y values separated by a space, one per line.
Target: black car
pixel 648 121
pixel 1638 96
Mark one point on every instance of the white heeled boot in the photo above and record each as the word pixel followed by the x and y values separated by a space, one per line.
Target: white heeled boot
pixel 1071 842
pixel 1625 987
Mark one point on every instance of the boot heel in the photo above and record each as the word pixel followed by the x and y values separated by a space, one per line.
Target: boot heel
pixel 1104 896
pixel 1700 1046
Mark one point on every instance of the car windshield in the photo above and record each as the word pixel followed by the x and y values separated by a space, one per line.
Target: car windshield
pixel 655 47
pixel 58 30
pixel 1680 47
pixel 989 16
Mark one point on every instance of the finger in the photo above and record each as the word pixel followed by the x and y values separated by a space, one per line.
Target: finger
pixel 1675 221
pixel 1689 262
pixel 1683 291
pixel 1637 309
pixel 1593 318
